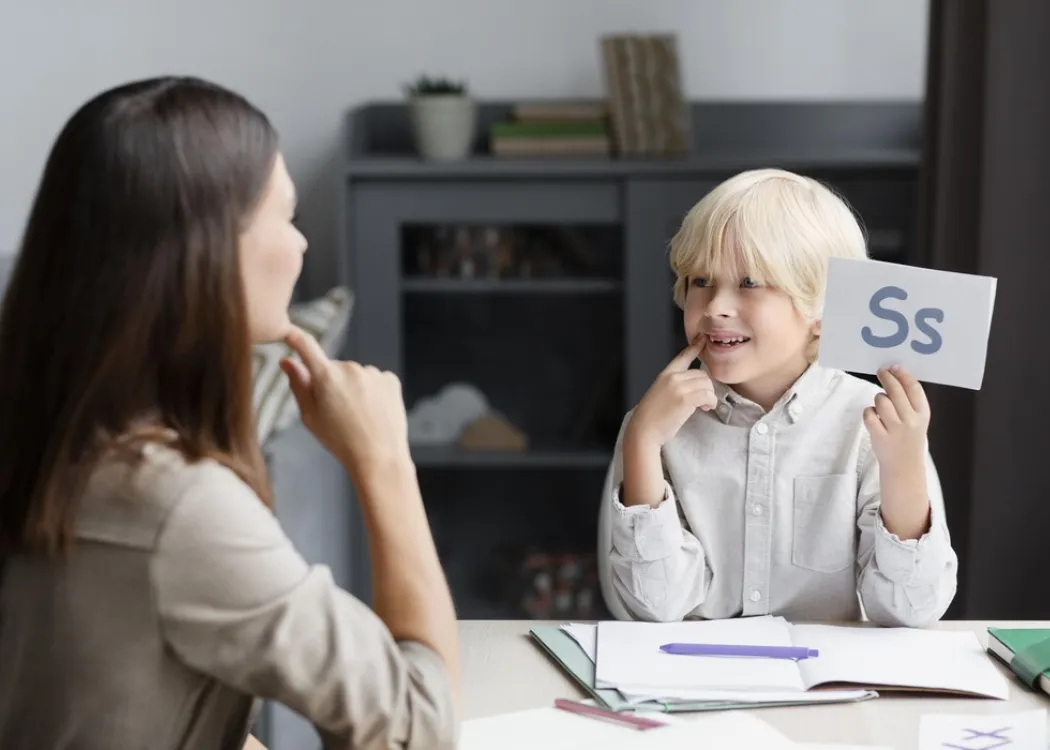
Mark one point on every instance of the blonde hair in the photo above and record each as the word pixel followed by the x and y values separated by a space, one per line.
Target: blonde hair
pixel 775 226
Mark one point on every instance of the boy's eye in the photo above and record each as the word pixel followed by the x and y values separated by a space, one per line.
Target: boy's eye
pixel 700 282
pixel 749 283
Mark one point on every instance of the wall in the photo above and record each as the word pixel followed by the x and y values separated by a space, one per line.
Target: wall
pixel 305 63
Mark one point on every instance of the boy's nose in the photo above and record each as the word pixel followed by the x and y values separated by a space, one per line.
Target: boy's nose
pixel 721 305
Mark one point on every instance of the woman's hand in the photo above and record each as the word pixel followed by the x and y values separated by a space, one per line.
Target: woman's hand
pixel 356 411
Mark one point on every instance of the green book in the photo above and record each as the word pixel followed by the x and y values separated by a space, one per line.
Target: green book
pixel 564 650
pixel 1026 651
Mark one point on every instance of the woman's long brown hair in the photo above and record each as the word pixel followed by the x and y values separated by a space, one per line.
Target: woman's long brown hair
pixel 125 306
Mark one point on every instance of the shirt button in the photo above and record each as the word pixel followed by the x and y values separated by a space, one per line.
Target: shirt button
pixel 794 410
pixel 756 595
pixel 756 509
pixel 762 428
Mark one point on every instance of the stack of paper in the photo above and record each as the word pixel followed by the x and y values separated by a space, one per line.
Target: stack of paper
pixel 855 660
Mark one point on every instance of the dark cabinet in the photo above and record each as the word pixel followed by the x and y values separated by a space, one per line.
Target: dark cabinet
pixel 656 208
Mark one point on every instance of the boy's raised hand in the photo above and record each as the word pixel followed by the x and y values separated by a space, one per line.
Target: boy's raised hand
pixel 676 393
pixel 898 420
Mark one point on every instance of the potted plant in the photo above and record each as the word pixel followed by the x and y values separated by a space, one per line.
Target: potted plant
pixel 443 118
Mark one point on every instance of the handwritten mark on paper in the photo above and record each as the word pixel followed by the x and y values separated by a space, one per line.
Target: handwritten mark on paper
pixel 985 740
pixel 1018 731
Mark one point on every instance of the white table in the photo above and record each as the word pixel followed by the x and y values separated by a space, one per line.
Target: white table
pixel 504 670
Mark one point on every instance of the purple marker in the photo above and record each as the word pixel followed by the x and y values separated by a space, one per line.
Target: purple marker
pixel 724 649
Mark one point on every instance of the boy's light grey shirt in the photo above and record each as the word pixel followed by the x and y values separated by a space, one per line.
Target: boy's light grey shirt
pixel 774 513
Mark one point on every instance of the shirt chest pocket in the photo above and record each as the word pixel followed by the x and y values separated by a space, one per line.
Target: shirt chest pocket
pixel 824 523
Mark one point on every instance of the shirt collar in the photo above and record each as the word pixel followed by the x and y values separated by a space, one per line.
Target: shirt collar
pixel 803 396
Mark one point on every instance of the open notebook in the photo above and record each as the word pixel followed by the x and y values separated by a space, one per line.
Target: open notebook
pixel 628 658
pixel 573 648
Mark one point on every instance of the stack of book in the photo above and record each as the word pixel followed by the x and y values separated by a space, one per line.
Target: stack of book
pixel 557 129
pixel 647 106
pixel 1026 651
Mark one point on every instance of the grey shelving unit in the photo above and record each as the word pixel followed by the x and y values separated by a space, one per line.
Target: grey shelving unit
pixel 565 356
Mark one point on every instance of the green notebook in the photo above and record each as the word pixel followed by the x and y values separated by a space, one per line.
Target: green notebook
pixel 1026 651
pixel 564 649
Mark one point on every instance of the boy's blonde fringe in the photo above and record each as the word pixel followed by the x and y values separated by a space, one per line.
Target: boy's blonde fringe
pixel 777 227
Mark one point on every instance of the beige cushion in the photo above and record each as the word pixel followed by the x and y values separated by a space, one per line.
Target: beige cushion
pixel 326 318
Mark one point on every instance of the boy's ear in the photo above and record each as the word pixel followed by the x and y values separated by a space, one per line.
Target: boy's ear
pixel 815 327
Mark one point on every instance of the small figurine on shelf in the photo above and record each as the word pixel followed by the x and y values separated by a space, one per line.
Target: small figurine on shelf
pixel 503 256
pixel 487 252
pixel 536 586
pixel 463 252
pixel 440 419
pixel 431 247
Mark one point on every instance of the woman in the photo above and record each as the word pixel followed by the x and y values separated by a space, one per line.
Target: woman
pixel 148 594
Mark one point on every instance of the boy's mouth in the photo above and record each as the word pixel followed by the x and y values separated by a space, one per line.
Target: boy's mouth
pixel 725 342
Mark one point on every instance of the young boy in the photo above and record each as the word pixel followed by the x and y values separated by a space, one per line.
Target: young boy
pixel 763 483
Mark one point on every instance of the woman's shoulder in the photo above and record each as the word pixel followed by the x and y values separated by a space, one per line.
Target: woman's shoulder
pixel 129 501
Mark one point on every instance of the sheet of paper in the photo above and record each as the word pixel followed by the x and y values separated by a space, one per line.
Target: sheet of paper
pixel 836 746
pixel 934 323
pixel 554 729
pixel 550 728
pixel 1012 731
pixel 629 657
pixel 729 730
pixel 585 634
pixel 900 657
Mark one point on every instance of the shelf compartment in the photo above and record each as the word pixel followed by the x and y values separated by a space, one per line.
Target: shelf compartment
pixel 490 251
pixel 499 534
pixel 510 286
pixel 552 366
pixel 452 457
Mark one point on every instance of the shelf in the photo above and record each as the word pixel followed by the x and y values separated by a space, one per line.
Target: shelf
pixel 406 166
pixel 510 286
pixel 450 457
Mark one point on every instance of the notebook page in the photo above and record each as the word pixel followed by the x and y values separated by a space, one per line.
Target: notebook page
pixel 899 657
pixel 629 657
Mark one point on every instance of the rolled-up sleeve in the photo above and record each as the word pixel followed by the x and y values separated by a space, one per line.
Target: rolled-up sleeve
pixel 908 583
pixel 652 567
pixel 236 601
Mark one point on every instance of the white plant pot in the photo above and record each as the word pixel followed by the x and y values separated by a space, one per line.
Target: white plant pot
pixel 443 125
